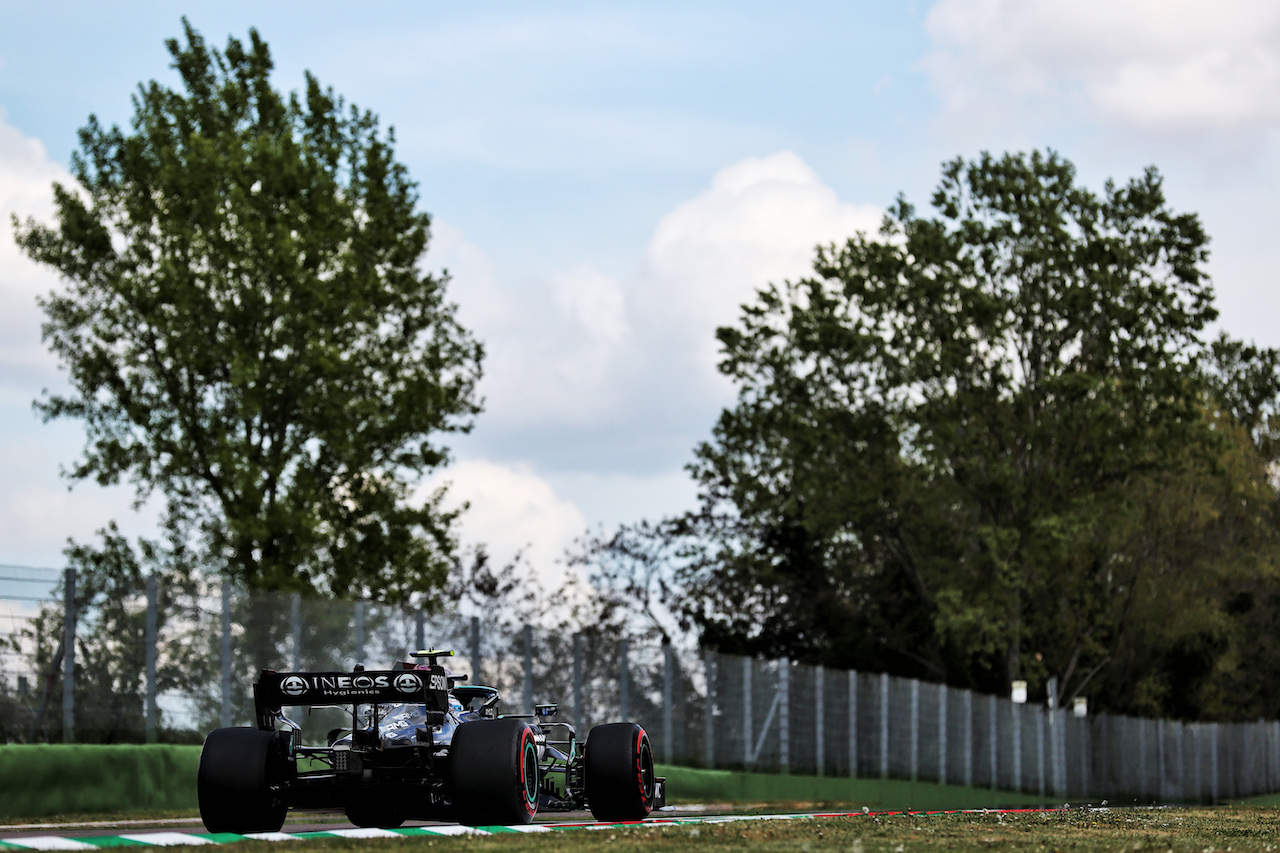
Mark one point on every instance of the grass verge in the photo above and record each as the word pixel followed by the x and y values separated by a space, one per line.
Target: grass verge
pixel 690 785
pixel 66 779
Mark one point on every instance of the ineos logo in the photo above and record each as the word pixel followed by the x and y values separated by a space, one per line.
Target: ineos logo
pixel 408 683
pixel 294 685
pixel 362 682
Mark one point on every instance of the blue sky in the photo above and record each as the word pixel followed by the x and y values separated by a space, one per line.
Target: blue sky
pixel 610 180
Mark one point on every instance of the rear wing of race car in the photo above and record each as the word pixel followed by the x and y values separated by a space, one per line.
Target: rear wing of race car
pixel 275 690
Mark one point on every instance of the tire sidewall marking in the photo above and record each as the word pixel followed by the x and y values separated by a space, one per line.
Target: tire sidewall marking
pixel 641 740
pixel 526 747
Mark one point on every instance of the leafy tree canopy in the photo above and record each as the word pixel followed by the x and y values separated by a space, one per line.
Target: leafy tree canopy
pixel 246 328
pixel 989 444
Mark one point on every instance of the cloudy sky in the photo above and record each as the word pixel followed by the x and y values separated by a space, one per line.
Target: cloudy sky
pixel 610 181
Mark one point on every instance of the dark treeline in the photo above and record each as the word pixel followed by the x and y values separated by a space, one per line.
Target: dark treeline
pixel 994 443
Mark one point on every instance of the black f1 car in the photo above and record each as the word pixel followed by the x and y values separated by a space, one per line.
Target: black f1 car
pixel 423 746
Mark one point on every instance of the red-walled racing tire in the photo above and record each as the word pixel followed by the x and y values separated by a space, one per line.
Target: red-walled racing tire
pixel 618 763
pixel 495 772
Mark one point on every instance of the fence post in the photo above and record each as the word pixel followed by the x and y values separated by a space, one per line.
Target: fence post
pixel 784 715
pixel 1059 745
pixel 1143 775
pixel 915 729
pixel 853 723
pixel 993 731
pixel 1042 787
pixel 475 648
pixel 1182 762
pixel 1016 716
pixel 1118 752
pixel 709 718
pixel 668 702
pixel 1273 750
pixel 69 655
pixel 1160 761
pixel 1262 739
pixel 942 734
pixel 1214 729
pixel 746 712
pixel 1186 763
pixel 1198 760
pixel 819 718
pixel 968 738
pixel 579 712
pixel 153 603
pixel 1085 746
pixel 420 637
pixel 226 653
pixel 1272 745
pixel 1230 760
pixel 1275 756
pixel 884 725
pixel 526 634
pixel 624 681
pixel 295 629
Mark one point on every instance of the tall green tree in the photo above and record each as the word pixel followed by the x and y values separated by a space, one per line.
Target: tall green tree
pixel 247 329
pixel 987 444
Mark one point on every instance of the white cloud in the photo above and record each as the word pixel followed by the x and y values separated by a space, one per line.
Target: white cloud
pixel 757 223
pixel 552 341
pixel 37 510
pixel 593 378
pixel 593 303
pixel 1163 65
pixel 26 178
pixel 39 513
pixel 513 510
pixel 580 349
pixel 625 498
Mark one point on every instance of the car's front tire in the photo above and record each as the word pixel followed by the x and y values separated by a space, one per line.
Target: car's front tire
pixel 237 768
pixel 495 772
pixel 618 765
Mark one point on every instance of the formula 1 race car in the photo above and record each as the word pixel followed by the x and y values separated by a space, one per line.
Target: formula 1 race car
pixel 421 746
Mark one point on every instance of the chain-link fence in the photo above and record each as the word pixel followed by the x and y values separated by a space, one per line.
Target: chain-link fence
pixel 160 666
pixel 25 683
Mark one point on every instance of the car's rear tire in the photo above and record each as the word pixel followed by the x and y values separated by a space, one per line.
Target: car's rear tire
pixel 237 767
pixel 619 779
pixel 495 772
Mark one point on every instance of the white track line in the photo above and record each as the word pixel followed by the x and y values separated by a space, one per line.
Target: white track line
pixel 166 839
pixel 454 830
pixel 362 832
pixel 49 842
